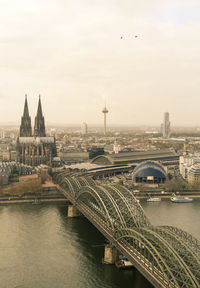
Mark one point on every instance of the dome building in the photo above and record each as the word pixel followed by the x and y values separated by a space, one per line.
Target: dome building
pixel 149 172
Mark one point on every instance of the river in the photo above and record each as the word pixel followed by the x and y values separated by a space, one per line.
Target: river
pixel 41 248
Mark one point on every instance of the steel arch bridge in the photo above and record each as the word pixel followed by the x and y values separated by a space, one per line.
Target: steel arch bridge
pixel 167 256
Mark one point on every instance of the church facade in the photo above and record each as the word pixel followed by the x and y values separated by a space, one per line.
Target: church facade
pixel 34 148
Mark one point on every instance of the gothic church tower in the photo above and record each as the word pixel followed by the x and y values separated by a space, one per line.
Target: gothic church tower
pixel 25 127
pixel 38 148
pixel 39 128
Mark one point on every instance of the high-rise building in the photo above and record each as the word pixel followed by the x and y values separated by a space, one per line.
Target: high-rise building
pixel 84 128
pixel 166 126
pixel 116 147
pixel 34 149
pixel 105 111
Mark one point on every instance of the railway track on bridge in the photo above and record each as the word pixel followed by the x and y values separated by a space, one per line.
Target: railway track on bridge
pixel 167 256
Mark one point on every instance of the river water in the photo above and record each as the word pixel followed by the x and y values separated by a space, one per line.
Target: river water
pixel 41 248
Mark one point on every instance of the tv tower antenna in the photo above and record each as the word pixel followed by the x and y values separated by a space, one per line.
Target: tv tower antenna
pixel 105 111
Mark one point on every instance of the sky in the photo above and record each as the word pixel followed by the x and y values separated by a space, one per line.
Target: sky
pixel 80 54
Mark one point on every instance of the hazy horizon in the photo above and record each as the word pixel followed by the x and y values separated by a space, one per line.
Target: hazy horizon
pixel 78 53
pixel 143 127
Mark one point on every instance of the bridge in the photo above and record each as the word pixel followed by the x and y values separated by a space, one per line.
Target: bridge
pixel 167 256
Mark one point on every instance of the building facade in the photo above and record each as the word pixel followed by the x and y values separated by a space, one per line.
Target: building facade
pixel 186 162
pixel 84 128
pixel 166 125
pixel 150 172
pixel 194 174
pixel 34 148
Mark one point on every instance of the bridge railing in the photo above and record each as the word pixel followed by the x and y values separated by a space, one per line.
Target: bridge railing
pixel 157 252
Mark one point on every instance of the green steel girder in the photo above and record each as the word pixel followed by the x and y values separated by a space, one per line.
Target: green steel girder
pixel 58 175
pixel 131 238
pixel 123 206
pixel 120 210
pixel 128 206
pixel 113 208
pixel 88 181
pixel 175 262
pixel 94 193
pixel 172 254
pixel 137 212
pixel 185 252
pixel 82 181
pixel 187 238
pixel 69 185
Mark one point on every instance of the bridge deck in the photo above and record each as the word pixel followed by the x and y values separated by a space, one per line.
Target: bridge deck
pixel 166 256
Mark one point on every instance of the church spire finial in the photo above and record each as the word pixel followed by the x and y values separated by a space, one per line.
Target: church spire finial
pixel 39 128
pixel 26 113
pixel 25 127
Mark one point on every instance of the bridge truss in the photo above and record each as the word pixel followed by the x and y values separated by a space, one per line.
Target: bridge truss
pixel 167 256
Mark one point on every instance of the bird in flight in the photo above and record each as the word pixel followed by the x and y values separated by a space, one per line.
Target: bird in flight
pixel 135 36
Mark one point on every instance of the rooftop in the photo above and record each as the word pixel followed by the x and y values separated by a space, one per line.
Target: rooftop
pixel 36 140
pixel 136 157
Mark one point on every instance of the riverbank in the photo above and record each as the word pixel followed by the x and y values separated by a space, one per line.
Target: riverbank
pixel 28 190
pixel 30 199
pixel 56 198
pixel 167 195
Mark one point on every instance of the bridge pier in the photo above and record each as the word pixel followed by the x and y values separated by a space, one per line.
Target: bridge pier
pixel 73 211
pixel 111 254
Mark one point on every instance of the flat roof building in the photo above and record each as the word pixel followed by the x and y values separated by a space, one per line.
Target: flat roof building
pixel 166 157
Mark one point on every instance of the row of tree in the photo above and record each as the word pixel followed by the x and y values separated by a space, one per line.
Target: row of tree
pixel 30 187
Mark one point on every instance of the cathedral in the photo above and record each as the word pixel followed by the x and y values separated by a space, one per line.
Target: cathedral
pixel 34 148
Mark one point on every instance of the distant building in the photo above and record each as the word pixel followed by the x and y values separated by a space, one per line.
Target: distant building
pixel 116 147
pixel 9 168
pixel 166 157
pixel 53 132
pixel 84 128
pixel 34 149
pixel 161 128
pixel 6 156
pixel 95 151
pixel 194 174
pixel 73 157
pixel 166 126
pixel 186 162
pixel 150 172
pixel 3 135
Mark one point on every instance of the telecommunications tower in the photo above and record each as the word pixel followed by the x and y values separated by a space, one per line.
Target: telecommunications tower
pixel 105 111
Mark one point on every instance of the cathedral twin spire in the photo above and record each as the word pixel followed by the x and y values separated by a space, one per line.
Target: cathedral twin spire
pixel 39 127
pixel 25 127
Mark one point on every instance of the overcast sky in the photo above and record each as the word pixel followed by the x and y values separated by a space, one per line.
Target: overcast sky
pixel 71 52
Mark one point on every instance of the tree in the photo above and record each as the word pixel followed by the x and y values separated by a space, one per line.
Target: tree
pixel 120 182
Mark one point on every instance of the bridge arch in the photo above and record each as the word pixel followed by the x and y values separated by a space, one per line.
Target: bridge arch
pixel 172 254
pixel 178 271
pixel 136 240
pixel 94 202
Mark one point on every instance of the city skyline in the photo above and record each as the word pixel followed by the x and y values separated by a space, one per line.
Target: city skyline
pixel 77 54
